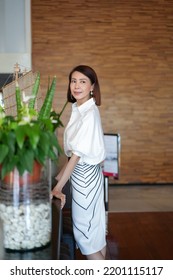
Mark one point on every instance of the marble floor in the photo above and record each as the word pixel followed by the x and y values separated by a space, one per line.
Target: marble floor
pixel 149 198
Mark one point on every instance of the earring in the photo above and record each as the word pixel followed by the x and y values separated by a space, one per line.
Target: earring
pixel 71 97
pixel 91 92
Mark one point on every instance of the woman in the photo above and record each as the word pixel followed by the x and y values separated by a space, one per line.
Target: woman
pixel 84 146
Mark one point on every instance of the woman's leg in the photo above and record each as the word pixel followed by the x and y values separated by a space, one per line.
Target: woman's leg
pixel 95 256
pixel 100 255
pixel 103 251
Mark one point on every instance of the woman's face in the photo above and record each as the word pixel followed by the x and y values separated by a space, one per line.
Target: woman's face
pixel 80 87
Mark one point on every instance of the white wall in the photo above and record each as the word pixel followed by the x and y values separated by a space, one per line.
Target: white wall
pixel 15 34
pixel 1 102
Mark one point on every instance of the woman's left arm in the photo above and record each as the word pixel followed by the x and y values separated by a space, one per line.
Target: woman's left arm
pixel 57 190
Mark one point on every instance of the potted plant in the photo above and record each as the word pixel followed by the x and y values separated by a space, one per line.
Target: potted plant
pixel 26 142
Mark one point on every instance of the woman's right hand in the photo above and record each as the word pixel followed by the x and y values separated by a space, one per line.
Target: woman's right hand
pixel 59 195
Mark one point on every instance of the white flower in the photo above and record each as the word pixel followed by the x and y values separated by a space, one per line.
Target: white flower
pixel 26 98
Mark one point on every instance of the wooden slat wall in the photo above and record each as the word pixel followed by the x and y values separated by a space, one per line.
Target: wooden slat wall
pixel 130 45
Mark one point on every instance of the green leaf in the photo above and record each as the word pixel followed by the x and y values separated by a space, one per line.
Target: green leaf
pixel 52 155
pixel 54 143
pixel 27 160
pixel 20 168
pixel 8 165
pixel 34 92
pixel 40 156
pixel 20 135
pixel 27 133
pixel 10 140
pixel 18 99
pixel 3 152
pixel 43 143
pixel 47 104
pixel 33 133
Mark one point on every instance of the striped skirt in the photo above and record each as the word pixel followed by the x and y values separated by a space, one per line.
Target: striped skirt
pixel 88 209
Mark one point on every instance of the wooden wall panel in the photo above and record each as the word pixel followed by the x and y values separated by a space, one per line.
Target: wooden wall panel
pixel 129 44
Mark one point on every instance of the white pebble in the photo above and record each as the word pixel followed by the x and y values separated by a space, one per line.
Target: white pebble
pixel 26 226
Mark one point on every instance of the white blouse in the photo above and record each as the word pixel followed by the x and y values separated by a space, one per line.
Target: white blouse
pixel 83 135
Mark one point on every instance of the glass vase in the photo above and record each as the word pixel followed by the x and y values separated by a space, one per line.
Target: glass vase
pixel 25 208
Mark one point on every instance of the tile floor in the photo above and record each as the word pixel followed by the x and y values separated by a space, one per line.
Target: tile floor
pixel 140 198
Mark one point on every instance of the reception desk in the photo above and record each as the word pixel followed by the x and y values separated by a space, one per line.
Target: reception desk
pixel 52 250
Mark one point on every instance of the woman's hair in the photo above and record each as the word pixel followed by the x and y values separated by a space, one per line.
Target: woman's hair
pixel 91 74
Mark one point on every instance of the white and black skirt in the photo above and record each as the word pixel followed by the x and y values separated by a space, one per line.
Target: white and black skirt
pixel 88 209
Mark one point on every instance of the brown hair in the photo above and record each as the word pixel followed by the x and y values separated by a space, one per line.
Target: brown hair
pixel 91 74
